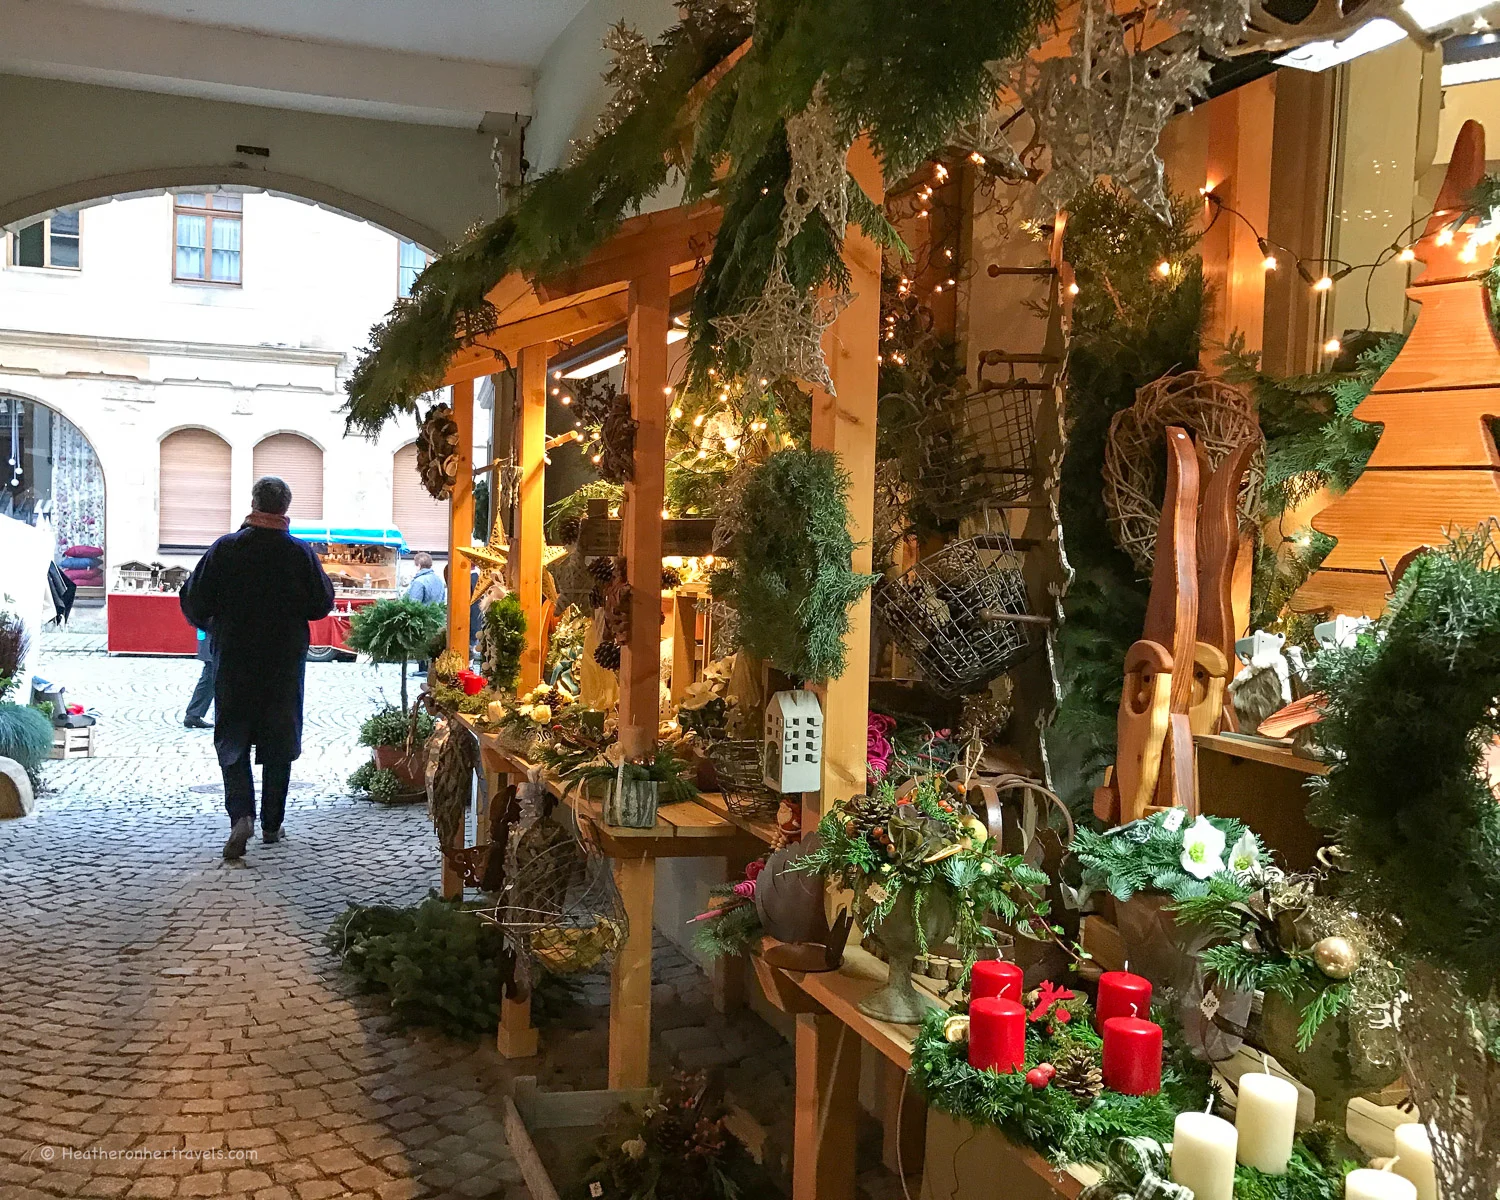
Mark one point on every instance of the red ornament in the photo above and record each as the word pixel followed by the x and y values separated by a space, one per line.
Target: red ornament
pixel 997 1035
pixel 1041 1075
pixel 1132 1056
pixel 755 868
pixel 1048 995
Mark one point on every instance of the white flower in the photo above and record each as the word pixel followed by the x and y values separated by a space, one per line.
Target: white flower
pixel 1202 849
pixel 541 713
pixel 1244 858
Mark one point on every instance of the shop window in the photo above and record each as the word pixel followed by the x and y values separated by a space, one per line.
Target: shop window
pixel 411 261
pixel 423 521
pixel 195 503
pixel 208 228
pixel 53 242
pixel 300 463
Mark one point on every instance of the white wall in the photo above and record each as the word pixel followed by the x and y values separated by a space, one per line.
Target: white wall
pixel 128 355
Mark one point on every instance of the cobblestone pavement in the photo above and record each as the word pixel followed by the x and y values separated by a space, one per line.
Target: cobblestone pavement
pixel 175 1027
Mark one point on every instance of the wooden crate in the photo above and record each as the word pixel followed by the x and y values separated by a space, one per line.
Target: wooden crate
pixel 73 743
pixel 528 1109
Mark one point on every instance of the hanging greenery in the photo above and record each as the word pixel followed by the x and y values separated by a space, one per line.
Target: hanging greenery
pixel 790 576
pixel 904 76
pixel 502 641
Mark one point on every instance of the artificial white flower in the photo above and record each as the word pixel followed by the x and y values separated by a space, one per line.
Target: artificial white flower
pixel 1202 849
pixel 1244 858
pixel 541 713
pixel 524 710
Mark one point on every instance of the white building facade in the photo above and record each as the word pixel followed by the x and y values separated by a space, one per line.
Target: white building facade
pixel 194 341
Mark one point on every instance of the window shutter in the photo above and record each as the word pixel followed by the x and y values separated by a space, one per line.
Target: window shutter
pixel 194 506
pixel 423 521
pixel 300 463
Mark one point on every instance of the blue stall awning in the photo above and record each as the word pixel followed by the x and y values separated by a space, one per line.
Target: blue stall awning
pixel 348 535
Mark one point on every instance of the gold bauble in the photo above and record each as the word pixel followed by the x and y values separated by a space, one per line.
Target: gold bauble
pixel 1336 957
pixel 955 1030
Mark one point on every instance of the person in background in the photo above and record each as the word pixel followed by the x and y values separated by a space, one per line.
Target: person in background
pixel 426 586
pixel 203 693
pixel 257 589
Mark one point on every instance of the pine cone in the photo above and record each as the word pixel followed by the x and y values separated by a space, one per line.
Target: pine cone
pixel 671 578
pixel 602 569
pixel 1079 1075
pixel 568 530
pixel 554 698
pixel 607 655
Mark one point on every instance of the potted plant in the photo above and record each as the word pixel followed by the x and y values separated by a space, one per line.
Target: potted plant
pixel 635 788
pixel 396 631
pixel 398 741
pixel 922 867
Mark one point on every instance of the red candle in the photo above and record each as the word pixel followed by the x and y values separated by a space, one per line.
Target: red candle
pixel 1122 994
pixel 1132 1056
pixel 993 977
pixel 997 1035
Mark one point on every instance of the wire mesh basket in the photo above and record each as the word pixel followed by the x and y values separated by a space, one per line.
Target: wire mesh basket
pixel 1000 421
pixel 560 909
pixel 961 614
pixel 977 453
pixel 738 772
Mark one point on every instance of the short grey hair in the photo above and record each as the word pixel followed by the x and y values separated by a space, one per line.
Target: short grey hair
pixel 423 560
pixel 269 494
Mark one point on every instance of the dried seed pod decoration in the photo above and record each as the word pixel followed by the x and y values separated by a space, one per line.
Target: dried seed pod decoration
pixel 437 452
pixel 617 453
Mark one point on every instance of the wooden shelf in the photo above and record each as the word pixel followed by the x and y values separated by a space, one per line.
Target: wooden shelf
pixel 763 829
pixel 1273 754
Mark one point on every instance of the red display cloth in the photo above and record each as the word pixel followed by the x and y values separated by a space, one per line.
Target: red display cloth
pixel 149 623
pixel 332 630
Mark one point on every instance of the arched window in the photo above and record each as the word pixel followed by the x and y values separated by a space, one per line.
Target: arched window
pixel 423 521
pixel 300 463
pixel 194 507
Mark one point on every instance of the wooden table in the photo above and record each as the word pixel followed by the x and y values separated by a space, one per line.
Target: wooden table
pixel 683 830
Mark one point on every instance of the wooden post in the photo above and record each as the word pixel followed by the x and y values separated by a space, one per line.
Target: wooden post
pixel 630 978
pixel 845 424
pixel 529 540
pixel 646 379
pixel 827 1091
pixel 461 520
pixel 460 533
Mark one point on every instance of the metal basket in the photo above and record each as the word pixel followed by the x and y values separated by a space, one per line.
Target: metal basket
pixel 977 454
pixel 999 419
pixel 738 771
pixel 962 614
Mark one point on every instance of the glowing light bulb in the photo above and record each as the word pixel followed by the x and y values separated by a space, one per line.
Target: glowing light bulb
pixel 1444 236
pixel 1332 346
pixel 1163 268
pixel 940 172
pixel 1269 262
pixel 708 560
pixel 765 383
pixel 1469 253
pixel 977 158
pixel 1323 284
pixel 698 420
pixel 731 444
pixel 665 514
pixel 567 400
pixel 597 459
pixel 668 390
pixel 676 414
pixel 556 374
pixel 1072 289
pixel 556 391
pixel 702 454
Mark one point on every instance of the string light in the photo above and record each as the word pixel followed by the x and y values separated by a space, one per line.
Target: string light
pixel 698 420
pixel 566 400
pixel 1323 284
pixel 977 158
pixel 597 459
pixel 1072 289
pixel 556 374
pixel 1163 268
pixel 1332 346
pixel 665 515
pixel 1407 255
pixel 1268 263
pixel 676 414
pixel 668 390
pixel 1445 235
pixel 557 391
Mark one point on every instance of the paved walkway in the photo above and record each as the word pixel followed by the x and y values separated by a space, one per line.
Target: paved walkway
pixel 173 1024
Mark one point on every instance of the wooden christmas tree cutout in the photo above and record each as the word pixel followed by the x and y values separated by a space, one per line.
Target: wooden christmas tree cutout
pixel 1435 467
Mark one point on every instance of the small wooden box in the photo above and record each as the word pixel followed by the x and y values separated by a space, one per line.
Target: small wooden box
pixel 73 743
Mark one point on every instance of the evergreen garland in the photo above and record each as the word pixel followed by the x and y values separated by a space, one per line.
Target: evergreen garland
pixel 906 76
pixel 1410 712
pixel 790 576
pixel 502 641
pixel 1147 856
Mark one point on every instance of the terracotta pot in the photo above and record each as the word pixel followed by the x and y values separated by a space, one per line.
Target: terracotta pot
pixel 898 1001
pixel 409 768
pixel 1333 1066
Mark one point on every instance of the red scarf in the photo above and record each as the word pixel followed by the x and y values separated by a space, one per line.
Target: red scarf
pixel 268 521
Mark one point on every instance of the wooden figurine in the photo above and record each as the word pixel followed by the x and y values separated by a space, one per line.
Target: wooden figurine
pixel 1436 466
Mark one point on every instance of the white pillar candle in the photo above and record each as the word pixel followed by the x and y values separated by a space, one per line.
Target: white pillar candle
pixel 1365 1184
pixel 1414 1159
pixel 1203 1149
pixel 1266 1119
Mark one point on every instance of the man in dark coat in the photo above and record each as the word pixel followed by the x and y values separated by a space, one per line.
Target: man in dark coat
pixel 257 589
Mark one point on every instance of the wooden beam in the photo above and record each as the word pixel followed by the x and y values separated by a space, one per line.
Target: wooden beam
pixel 691 537
pixel 460 533
pixel 646 381
pixel 845 424
pixel 827 1093
pixel 507 341
pixel 529 545
pixel 674 236
pixel 630 977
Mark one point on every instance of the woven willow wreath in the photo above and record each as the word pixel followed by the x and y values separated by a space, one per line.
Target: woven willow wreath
pixel 1219 415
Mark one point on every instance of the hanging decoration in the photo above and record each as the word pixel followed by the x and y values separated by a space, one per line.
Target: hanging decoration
pixel 437 452
pixel 784 329
pixel 819 178
pixel 1221 417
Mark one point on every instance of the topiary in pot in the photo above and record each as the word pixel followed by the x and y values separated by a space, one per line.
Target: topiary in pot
pixel 396 631
pixel 398 741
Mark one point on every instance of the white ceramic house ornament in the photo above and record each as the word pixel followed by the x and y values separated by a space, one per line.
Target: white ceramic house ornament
pixel 794 742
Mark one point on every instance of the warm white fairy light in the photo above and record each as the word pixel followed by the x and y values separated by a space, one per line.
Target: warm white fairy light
pixel 1323 284
pixel 1407 255
pixel 1444 237
pixel 1163 268
pixel 698 420
pixel 676 414
pixel 1332 346
pixel 1268 263
pixel 1072 289
pixel 596 459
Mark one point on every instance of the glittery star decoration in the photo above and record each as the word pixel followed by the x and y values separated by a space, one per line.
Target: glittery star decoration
pixel 986 134
pixel 491 559
pixel 631 64
pixel 1100 110
pixel 819 178
pixel 784 330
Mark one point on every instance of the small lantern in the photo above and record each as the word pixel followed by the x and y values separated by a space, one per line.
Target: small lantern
pixel 794 742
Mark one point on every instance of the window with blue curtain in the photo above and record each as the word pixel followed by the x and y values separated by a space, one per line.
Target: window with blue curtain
pixel 208 231
pixel 411 262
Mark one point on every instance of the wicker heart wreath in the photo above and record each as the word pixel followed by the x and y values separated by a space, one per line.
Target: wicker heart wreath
pixel 1220 417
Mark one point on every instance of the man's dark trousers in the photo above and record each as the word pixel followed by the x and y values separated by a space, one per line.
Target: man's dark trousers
pixel 239 791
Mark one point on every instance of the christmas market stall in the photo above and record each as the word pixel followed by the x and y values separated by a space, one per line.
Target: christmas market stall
pixel 955 532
